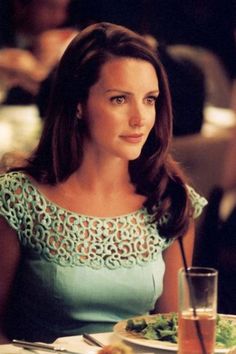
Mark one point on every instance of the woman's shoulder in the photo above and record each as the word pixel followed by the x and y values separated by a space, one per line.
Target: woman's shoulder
pixel 13 181
pixel 20 190
pixel 12 205
pixel 13 175
pixel 17 184
pixel 198 201
pixel 17 193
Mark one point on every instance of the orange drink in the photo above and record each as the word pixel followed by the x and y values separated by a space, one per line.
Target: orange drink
pixel 197 310
pixel 188 333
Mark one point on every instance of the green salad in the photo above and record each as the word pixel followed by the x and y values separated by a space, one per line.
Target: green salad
pixel 164 328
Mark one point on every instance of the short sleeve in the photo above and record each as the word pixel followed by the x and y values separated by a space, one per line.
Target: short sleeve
pixel 198 202
pixel 10 205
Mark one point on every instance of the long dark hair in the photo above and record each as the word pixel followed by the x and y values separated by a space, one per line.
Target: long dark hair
pixel 60 150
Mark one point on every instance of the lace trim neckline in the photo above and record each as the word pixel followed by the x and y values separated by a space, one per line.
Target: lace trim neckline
pixel 71 212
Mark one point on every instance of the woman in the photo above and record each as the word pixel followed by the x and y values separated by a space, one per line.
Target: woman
pixel 88 224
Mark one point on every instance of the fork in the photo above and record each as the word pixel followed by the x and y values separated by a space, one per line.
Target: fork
pixel 91 340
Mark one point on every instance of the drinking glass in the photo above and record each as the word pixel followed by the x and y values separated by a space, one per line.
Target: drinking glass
pixel 197 310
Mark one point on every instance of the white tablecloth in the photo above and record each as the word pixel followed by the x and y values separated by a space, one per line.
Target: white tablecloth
pixel 77 344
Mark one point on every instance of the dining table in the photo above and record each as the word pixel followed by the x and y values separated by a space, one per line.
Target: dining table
pixel 78 345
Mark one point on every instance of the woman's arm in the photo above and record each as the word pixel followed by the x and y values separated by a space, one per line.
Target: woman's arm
pixel 168 302
pixel 9 260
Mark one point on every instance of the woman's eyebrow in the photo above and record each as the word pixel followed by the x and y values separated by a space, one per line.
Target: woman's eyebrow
pixel 118 90
pixel 153 92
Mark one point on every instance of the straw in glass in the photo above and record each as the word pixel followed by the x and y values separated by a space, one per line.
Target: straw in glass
pixel 192 297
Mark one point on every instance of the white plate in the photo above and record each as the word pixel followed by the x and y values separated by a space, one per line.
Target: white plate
pixel 120 331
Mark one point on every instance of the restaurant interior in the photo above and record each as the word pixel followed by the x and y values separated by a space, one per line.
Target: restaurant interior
pixel 197 44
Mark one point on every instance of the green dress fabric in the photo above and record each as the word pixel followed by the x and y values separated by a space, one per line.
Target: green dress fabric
pixel 79 273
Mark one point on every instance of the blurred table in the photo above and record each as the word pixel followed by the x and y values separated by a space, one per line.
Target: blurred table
pixel 202 155
pixel 217 121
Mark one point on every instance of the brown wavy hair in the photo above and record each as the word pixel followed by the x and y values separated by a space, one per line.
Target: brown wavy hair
pixel 60 150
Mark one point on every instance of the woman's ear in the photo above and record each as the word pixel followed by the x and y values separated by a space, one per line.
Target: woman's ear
pixel 79 111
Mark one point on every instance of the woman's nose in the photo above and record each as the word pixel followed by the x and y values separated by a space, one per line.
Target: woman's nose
pixel 136 117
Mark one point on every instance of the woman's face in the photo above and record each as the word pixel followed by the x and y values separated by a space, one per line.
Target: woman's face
pixel 120 110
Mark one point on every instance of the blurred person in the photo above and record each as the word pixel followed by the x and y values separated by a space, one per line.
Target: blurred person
pixel 33 17
pixel 216 243
pixel 188 92
pixel 203 31
pixel 229 166
pixel 216 84
pixel 90 223
pixel 187 88
pixel 209 24
pixel 32 41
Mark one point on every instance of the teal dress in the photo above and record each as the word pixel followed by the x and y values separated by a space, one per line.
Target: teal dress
pixel 79 273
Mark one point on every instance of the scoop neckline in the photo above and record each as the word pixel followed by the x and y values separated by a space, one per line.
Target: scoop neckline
pixel 127 215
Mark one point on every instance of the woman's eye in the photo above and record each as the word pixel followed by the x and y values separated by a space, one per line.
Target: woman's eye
pixel 151 100
pixel 118 100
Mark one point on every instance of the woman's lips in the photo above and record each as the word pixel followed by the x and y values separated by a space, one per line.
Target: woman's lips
pixel 132 138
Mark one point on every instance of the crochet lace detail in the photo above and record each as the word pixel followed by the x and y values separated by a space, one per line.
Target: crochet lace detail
pixel 70 239
pixel 198 202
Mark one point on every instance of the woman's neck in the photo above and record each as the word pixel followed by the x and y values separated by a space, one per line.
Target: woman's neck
pixel 108 175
